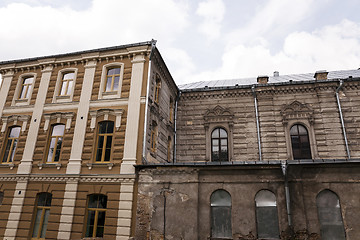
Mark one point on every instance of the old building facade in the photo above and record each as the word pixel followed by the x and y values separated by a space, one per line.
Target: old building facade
pixel 72 128
pixel 276 158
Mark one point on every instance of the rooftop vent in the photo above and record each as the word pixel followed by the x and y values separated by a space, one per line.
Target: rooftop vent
pixel 262 79
pixel 276 74
pixel 321 75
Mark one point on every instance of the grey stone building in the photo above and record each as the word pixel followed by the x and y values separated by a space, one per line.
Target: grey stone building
pixel 268 158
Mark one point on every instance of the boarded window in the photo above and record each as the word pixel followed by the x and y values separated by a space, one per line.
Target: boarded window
pixel 329 211
pixel 221 214
pixel 300 142
pixel 266 215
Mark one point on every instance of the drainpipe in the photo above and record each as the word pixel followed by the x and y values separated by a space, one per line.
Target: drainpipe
pixel 341 117
pixel 153 46
pixel 257 121
pixel 287 192
pixel 176 108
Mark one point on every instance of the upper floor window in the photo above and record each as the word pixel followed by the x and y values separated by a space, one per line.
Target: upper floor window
pixel 171 110
pixel 1 197
pixel 26 88
pixel 220 202
pixel 219 145
pixel 169 149
pixel 300 142
pixel 104 141
pixel 55 143
pixel 153 137
pixel 157 88
pixel 67 82
pixel 95 220
pixel 111 80
pixel 41 218
pixel 11 144
pixel 329 212
pixel 266 215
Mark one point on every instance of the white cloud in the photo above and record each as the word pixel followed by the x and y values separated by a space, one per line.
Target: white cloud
pixel 331 47
pixel 29 31
pixel 212 12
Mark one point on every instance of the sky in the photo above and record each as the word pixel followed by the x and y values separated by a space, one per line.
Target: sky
pixel 200 40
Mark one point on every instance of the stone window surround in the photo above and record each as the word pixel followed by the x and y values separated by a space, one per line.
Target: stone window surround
pixel 218 117
pixel 15 119
pixel 115 94
pixel 95 114
pixel 49 117
pixel 20 102
pixel 298 113
pixel 57 98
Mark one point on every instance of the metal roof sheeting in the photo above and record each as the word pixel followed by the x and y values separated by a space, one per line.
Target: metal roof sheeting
pixel 280 79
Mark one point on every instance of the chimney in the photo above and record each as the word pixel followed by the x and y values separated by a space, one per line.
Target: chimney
pixel 276 74
pixel 262 79
pixel 321 75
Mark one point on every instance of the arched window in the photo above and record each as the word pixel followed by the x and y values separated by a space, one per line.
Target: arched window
pixel 112 79
pixel 329 211
pixel 55 143
pixel 104 141
pixel 220 214
pixel 11 143
pixel 96 209
pixel 27 84
pixel 219 145
pixel 267 221
pixel 300 142
pixel 42 213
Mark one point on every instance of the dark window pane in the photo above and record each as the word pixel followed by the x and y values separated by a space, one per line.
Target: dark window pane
pixel 1 197
pixel 102 201
pixel 300 142
pixel 101 219
pixel 45 223
pixel 90 223
pixel 37 223
pixel 221 222
pixel 267 222
pixel 93 200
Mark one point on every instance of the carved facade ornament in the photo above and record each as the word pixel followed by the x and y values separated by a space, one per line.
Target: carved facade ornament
pixel 58 116
pixel 219 115
pixel 106 112
pixel 297 110
pixel 24 119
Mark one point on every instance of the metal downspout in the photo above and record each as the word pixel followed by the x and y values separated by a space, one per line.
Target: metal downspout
pixel 287 192
pixel 153 45
pixel 176 108
pixel 257 122
pixel 341 118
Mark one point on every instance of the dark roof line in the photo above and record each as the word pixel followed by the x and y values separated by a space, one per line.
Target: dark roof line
pixel 78 52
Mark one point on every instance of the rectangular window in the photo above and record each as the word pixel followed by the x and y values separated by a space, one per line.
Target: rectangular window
pixel 42 213
pixel 26 88
pixel 112 79
pixel 55 143
pixel 95 220
pixel 67 84
pixel 104 141
pixel 11 144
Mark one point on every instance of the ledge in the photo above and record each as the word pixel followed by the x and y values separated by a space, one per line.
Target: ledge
pixel 9 165
pixel 108 165
pixel 49 165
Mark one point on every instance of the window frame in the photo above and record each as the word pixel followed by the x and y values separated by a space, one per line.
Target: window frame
pixel 97 210
pixel 312 140
pixel 12 143
pixel 17 101
pixel 43 212
pixel 113 94
pixel 102 161
pixel 50 137
pixel 277 215
pixel 301 145
pixel 219 141
pixel 169 148
pixel 171 110
pixel 64 98
pixel 153 137
pixel 157 88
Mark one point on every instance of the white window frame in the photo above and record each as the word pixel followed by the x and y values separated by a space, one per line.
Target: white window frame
pixel 57 98
pixel 114 94
pixel 26 101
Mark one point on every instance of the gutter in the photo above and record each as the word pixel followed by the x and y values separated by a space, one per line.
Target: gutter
pixel 257 121
pixel 153 46
pixel 284 166
pixel 175 130
pixel 341 83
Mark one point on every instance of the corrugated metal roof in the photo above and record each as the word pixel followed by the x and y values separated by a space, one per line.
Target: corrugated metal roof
pixel 279 79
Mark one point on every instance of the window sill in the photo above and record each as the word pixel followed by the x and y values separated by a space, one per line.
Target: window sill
pixel 108 165
pixel 20 102
pixel 109 95
pixel 63 98
pixel 49 165
pixel 9 165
